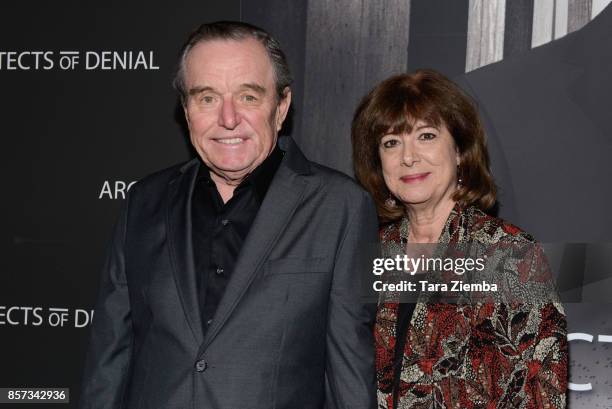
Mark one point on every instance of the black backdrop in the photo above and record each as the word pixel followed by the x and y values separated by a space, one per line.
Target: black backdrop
pixel 71 137
pixel 76 137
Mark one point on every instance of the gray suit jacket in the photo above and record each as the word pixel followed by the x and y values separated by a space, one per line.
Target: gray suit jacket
pixel 290 332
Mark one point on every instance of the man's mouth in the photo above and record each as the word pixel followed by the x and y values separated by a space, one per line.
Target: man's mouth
pixel 230 141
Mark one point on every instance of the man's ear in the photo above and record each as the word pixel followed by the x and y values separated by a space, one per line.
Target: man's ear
pixel 283 108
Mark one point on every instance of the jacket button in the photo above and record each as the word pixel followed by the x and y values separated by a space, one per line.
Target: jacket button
pixel 201 365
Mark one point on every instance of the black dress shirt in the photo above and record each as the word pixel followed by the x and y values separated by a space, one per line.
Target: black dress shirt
pixel 219 230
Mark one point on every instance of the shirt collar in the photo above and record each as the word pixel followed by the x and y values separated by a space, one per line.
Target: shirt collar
pixel 260 179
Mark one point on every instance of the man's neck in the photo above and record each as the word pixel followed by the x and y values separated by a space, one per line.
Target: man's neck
pixel 224 187
pixel 226 183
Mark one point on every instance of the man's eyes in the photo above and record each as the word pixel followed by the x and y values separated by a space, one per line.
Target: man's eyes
pixel 249 98
pixel 211 99
pixel 207 99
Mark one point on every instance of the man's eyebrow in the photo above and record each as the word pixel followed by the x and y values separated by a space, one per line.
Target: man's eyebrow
pixel 250 85
pixel 255 87
pixel 200 89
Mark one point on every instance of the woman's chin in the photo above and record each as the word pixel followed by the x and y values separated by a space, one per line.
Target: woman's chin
pixel 415 200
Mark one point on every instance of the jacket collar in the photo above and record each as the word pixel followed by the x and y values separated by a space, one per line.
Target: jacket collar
pixel 283 197
pixel 454 230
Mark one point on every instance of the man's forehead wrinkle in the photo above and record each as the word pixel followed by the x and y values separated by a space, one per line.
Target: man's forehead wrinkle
pixel 239 76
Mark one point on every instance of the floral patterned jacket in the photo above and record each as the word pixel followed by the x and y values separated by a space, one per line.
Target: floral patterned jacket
pixel 479 355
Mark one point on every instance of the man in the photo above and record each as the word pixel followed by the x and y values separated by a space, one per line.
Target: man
pixel 233 281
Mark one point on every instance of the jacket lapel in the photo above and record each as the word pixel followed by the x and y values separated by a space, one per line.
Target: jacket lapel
pixel 181 246
pixel 282 198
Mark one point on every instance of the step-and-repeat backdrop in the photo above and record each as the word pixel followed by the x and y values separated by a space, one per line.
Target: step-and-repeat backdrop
pixel 88 109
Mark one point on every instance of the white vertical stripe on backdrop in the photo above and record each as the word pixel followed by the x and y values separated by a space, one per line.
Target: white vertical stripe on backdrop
pixel 553 19
pixel 485 40
pixel 561 10
pixel 597 6
pixel 542 27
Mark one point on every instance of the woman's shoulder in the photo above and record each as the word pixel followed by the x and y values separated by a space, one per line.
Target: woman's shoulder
pixel 486 228
pixel 468 224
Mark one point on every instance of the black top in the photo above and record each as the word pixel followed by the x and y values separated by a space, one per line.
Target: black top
pixel 404 315
pixel 219 230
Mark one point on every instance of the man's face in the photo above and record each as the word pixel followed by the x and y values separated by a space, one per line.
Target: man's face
pixel 231 108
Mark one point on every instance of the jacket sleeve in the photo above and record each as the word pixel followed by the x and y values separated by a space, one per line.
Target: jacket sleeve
pixel 107 364
pixel 546 354
pixel 530 334
pixel 350 377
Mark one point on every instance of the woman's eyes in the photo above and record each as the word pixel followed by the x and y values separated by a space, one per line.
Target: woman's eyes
pixel 390 143
pixel 426 136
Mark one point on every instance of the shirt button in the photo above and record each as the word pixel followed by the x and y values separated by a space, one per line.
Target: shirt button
pixel 225 222
pixel 219 270
pixel 209 322
pixel 201 365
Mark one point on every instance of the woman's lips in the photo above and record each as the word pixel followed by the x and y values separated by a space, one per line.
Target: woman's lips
pixel 417 177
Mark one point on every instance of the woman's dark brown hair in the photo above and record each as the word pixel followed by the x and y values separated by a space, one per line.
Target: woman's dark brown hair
pixel 393 107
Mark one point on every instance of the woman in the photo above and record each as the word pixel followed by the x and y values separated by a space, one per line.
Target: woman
pixel 419 149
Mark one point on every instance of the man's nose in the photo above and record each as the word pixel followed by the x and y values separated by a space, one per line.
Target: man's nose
pixel 228 117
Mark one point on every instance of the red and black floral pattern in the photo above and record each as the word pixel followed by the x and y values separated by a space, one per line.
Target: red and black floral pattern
pixel 479 355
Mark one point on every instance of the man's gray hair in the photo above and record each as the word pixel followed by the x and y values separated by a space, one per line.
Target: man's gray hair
pixel 233 30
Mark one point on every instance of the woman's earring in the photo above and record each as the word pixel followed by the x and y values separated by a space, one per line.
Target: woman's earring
pixel 459 177
pixel 390 202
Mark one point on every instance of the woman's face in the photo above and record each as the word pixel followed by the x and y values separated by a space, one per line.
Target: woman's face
pixel 420 167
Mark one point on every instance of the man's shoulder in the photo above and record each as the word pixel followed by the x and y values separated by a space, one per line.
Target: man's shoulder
pixel 333 180
pixel 159 180
pixel 330 179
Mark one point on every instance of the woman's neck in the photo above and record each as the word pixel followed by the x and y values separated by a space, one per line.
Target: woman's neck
pixel 427 222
